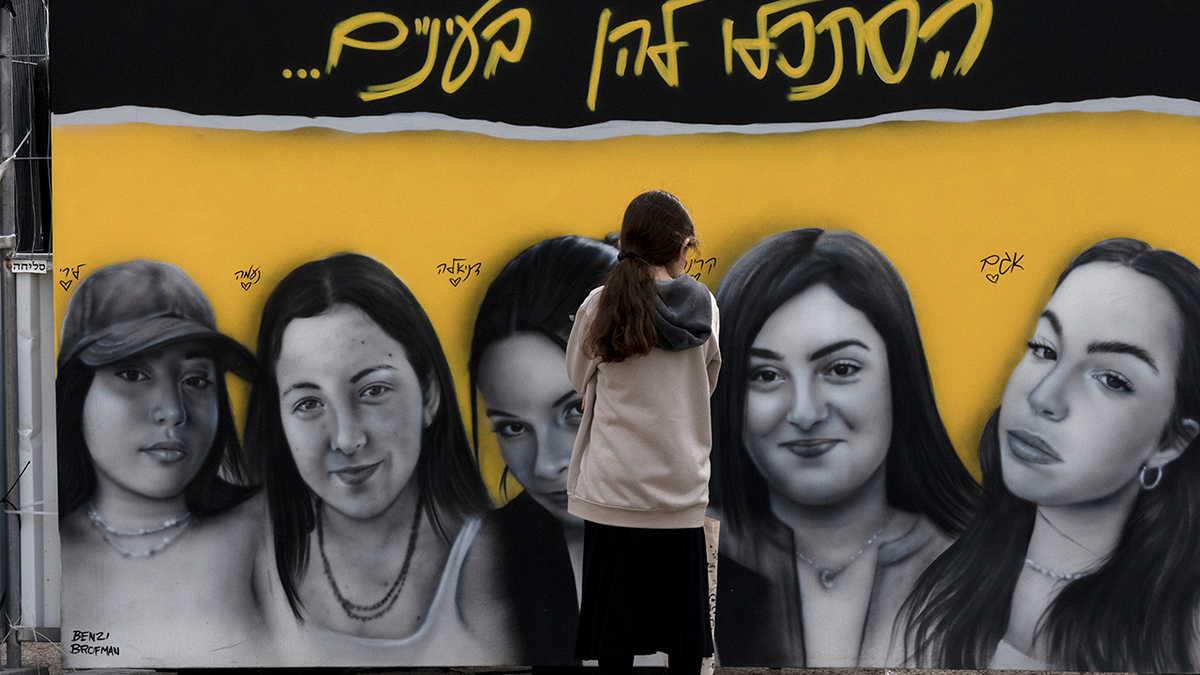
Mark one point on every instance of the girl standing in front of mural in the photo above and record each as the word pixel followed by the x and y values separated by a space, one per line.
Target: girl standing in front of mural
pixel 159 548
pixel 834 476
pixel 644 354
pixel 1086 553
pixel 518 364
pixel 372 490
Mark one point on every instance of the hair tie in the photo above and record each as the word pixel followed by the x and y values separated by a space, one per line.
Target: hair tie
pixel 625 255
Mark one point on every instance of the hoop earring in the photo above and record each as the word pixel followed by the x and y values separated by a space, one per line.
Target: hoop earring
pixel 1157 478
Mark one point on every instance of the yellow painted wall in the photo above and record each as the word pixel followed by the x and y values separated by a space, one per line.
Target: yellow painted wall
pixel 936 198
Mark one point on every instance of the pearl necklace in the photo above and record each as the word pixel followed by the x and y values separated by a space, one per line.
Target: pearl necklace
pixel 179 524
pixel 1058 576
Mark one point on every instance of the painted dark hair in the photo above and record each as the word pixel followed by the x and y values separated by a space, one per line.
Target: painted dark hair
pixel 655 226
pixel 538 291
pixel 222 482
pixel 447 477
pixel 923 473
pixel 1137 611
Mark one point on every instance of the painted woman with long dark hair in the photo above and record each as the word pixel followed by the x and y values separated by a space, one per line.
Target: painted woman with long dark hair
pixel 833 475
pixel 518 365
pixel 643 352
pixel 373 492
pixel 1086 552
pixel 162 532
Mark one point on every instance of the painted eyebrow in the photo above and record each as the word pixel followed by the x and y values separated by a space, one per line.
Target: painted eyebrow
pixel 496 412
pixel 825 351
pixel 367 371
pixel 1054 322
pixel 766 354
pixel 298 385
pixel 1113 347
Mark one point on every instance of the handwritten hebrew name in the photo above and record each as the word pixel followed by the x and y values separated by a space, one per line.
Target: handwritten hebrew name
pixel 758 50
pixel 1006 265
pixel 698 267
pixel 69 276
pixel 248 277
pixel 459 270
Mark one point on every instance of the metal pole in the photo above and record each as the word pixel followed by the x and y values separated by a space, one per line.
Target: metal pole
pixel 8 328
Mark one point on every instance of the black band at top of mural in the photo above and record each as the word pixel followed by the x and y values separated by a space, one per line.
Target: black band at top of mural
pixel 566 64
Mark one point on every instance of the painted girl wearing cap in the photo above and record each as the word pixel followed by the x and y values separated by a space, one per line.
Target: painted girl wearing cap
pixel 372 488
pixel 160 529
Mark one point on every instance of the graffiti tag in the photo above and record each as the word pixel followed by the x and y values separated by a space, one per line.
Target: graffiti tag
pixel 69 276
pixel 1005 265
pixel 248 277
pixel 459 270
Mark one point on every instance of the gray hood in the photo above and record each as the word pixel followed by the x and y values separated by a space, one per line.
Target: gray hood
pixel 682 314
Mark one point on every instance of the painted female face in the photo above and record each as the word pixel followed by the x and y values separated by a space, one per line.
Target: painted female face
pixel 353 410
pixel 818 400
pixel 1087 406
pixel 534 413
pixel 150 421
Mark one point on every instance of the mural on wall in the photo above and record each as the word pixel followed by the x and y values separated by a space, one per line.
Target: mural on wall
pixel 317 270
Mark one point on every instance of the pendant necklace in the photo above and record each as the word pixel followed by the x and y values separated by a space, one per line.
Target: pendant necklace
pixel 373 611
pixel 828 577
pixel 173 526
pixel 1057 576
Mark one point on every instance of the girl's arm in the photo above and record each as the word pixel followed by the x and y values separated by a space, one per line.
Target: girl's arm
pixel 580 367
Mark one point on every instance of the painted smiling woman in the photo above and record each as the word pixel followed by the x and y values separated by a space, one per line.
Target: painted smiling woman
pixel 373 491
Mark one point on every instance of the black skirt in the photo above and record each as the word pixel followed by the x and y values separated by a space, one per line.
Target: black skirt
pixel 644 591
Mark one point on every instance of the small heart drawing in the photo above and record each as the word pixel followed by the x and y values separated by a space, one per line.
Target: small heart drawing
pixel 993 278
pixel 455 281
pixel 246 285
pixel 66 284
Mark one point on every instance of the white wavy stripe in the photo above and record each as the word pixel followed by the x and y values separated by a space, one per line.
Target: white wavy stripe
pixel 425 121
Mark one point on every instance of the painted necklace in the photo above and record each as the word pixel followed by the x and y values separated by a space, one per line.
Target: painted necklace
pixel 384 605
pixel 828 577
pixel 175 527
pixel 1058 576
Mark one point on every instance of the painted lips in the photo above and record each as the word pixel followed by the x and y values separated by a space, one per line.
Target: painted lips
pixel 559 497
pixel 810 448
pixel 356 475
pixel 167 452
pixel 1031 448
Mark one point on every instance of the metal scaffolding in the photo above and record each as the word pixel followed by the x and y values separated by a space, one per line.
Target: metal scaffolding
pixel 25 234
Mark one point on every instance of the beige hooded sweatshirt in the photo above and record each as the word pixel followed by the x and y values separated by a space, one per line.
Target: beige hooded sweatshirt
pixel 641 455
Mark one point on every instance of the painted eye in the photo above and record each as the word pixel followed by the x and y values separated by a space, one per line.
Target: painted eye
pixel 307 405
pixel 509 429
pixel 1114 381
pixel 132 375
pixel 1042 351
pixel 197 382
pixel 374 390
pixel 766 375
pixel 843 369
pixel 573 412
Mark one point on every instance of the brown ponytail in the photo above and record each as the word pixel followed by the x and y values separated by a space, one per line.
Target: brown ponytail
pixel 655 226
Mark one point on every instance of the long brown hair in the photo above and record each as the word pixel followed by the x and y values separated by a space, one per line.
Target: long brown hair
pixel 654 228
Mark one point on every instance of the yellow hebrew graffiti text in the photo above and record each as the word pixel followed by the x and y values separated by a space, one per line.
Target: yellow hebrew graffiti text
pixel 773 19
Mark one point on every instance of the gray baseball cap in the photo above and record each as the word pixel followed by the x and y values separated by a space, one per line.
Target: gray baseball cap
pixel 123 310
